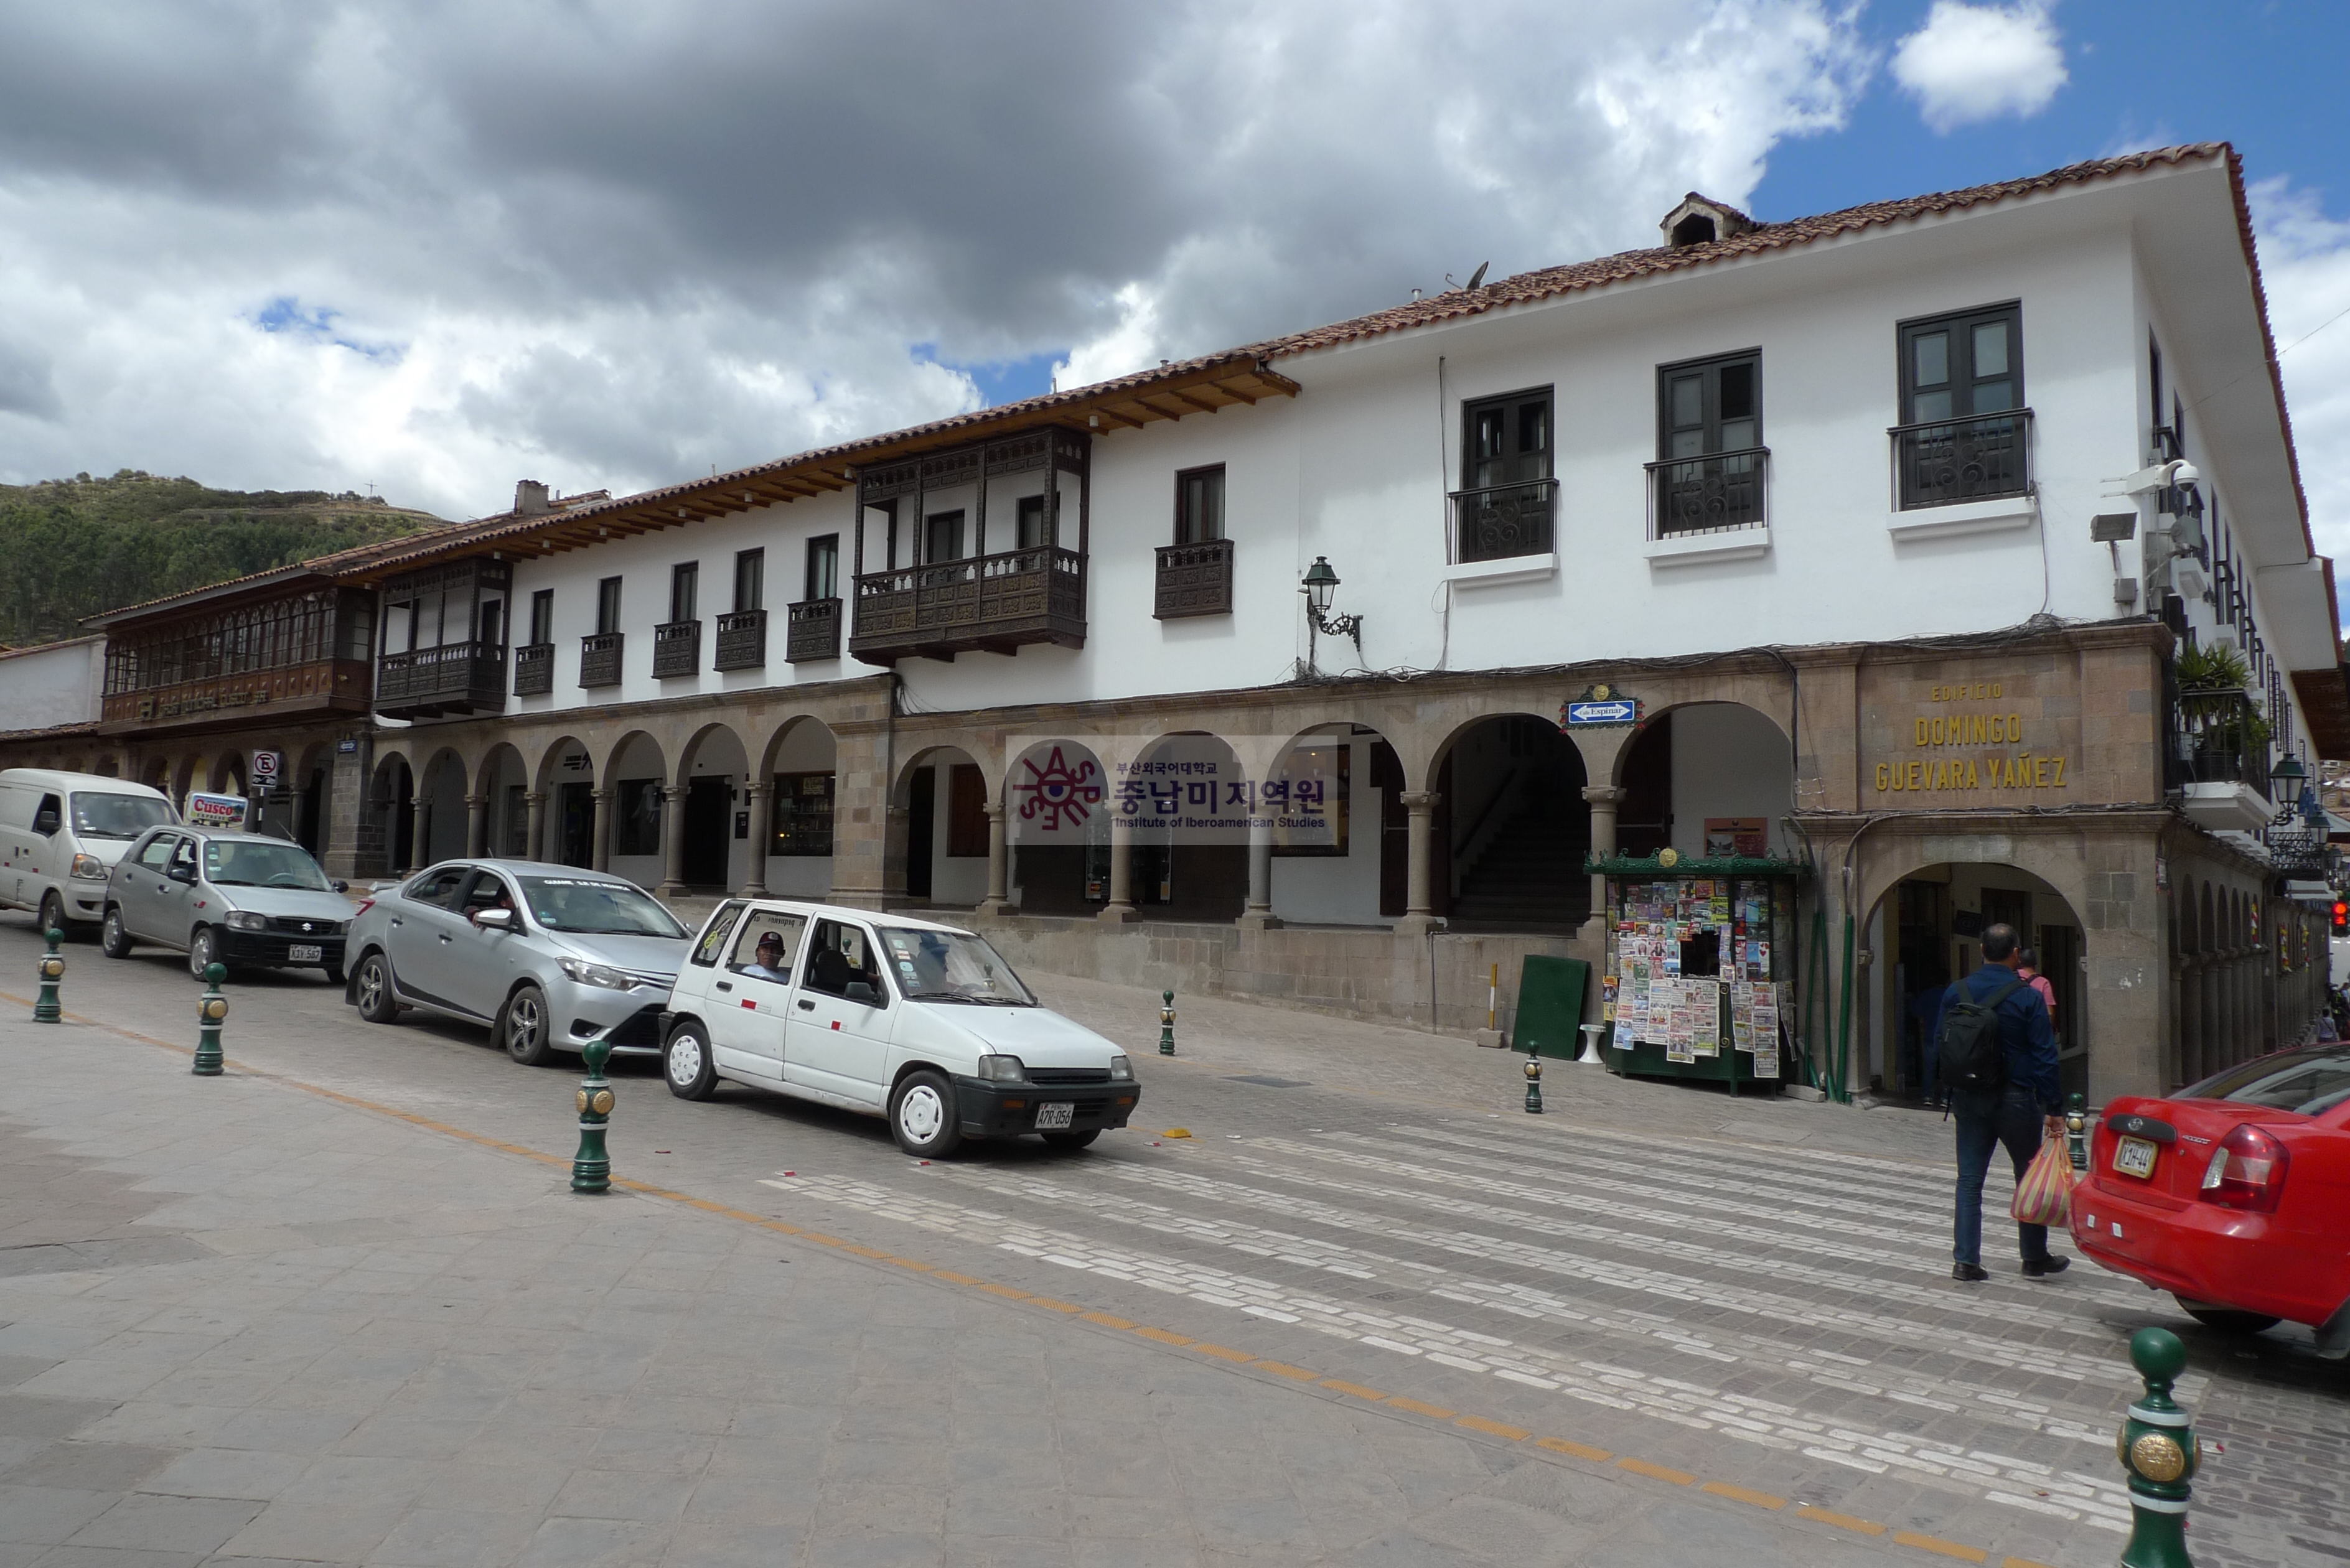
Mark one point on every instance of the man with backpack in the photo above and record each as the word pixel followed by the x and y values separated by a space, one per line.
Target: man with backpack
pixel 1998 1062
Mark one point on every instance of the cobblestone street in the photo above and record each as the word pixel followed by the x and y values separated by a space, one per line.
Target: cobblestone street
pixel 339 1306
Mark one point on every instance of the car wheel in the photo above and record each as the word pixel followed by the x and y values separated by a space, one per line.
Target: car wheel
pixel 686 1063
pixel 203 951
pixel 378 1003
pixel 924 1117
pixel 113 938
pixel 53 914
pixel 2227 1320
pixel 523 1026
pixel 1071 1140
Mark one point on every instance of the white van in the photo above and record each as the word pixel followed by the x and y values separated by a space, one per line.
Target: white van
pixel 60 834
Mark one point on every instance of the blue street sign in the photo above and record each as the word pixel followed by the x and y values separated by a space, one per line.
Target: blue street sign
pixel 1614 711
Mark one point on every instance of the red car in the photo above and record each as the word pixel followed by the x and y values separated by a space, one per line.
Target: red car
pixel 2232 1194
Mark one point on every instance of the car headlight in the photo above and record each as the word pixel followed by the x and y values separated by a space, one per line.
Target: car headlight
pixel 598 974
pixel 1004 1069
pixel 244 921
pixel 1121 1071
pixel 89 868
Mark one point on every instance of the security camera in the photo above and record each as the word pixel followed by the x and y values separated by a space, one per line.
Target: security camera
pixel 2184 473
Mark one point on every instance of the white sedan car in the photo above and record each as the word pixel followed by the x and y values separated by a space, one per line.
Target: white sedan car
pixel 920 1023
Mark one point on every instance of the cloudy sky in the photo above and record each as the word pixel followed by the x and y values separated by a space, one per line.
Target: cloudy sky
pixel 435 247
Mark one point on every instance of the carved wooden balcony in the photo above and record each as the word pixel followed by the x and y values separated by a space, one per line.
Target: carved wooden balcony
pixel 677 648
pixel 534 665
pixel 814 631
pixel 427 682
pixel 599 659
pixel 1195 579
pixel 742 640
pixel 995 603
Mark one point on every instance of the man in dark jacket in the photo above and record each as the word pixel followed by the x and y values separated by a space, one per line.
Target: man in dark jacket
pixel 2018 1115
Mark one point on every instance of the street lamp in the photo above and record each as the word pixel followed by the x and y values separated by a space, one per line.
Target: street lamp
pixel 1319 583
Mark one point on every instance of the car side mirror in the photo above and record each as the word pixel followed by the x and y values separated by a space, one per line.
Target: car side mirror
pixel 495 919
pixel 858 991
pixel 182 874
pixel 340 886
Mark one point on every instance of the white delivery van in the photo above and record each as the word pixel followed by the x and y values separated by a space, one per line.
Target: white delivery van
pixel 60 834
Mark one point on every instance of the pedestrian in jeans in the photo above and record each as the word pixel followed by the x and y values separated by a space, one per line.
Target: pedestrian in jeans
pixel 2019 1115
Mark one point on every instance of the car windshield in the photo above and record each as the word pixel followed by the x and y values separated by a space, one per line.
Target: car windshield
pixel 97 815
pixel 953 966
pixel 597 908
pixel 261 863
pixel 2310 1082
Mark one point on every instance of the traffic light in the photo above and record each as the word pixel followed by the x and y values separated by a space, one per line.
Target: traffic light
pixel 2341 918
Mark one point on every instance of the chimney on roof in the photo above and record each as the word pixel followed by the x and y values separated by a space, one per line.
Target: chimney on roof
pixel 530 498
pixel 1701 221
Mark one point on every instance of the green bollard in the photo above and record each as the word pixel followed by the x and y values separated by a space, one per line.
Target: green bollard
pixel 591 1167
pixel 1167 1024
pixel 1533 1086
pixel 53 969
pixel 2160 1452
pixel 2077 1136
pixel 210 1008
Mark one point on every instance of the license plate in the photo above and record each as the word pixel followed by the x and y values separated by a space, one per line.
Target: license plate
pixel 2134 1157
pixel 1050 1117
pixel 305 952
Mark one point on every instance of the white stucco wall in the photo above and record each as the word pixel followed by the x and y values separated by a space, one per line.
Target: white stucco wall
pixel 56 684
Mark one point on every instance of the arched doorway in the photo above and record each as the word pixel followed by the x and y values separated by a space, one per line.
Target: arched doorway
pixel 633 779
pixel 1926 932
pixel 312 790
pixel 442 792
pixel 944 791
pixel 567 781
pixel 802 773
pixel 715 774
pixel 391 794
pixel 1056 805
pixel 505 804
pixel 1512 828
pixel 1701 771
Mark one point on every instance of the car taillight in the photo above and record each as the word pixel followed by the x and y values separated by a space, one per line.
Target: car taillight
pixel 2247 1171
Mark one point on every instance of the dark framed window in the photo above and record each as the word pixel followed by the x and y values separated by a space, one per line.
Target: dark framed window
pixel 608 606
pixel 1964 433
pixel 749 580
pixel 637 824
pixel 823 567
pixel 1506 440
pixel 684 589
pixel 1200 505
pixel 1029 533
pixel 803 808
pixel 542 615
pixel 493 623
pixel 966 811
pixel 1956 366
pixel 1710 406
pixel 942 537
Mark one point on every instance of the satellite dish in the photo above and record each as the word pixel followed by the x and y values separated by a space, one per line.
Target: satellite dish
pixel 1477 278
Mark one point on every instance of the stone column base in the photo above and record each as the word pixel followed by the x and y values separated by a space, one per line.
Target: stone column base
pixel 1260 920
pixel 995 908
pixel 1120 915
pixel 1418 925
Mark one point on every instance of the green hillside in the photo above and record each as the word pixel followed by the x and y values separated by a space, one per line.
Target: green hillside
pixel 74 547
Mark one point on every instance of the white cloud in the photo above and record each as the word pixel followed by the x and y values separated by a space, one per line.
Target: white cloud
pixel 439 248
pixel 2306 264
pixel 1971 62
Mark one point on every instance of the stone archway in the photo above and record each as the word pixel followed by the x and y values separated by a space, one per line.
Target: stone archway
pixel 707 810
pixel 792 795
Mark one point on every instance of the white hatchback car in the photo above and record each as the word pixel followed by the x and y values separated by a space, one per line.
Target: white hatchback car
pixel 920 1023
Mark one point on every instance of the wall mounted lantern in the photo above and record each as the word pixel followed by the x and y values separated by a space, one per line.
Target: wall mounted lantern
pixel 1320 582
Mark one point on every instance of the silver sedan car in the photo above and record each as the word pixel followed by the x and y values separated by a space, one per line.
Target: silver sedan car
pixel 551 957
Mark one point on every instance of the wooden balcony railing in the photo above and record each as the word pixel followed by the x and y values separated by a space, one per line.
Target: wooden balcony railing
pixel 320 686
pixel 599 659
pixel 1195 579
pixel 677 648
pixel 455 678
pixel 996 602
pixel 814 631
pixel 534 665
pixel 742 640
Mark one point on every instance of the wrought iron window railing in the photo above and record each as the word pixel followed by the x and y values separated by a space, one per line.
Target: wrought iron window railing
pixel 742 640
pixel 1975 459
pixel 2223 738
pixel 1499 520
pixel 677 647
pixel 1714 493
pixel 534 665
pixel 814 631
pixel 1193 579
pixel 599 658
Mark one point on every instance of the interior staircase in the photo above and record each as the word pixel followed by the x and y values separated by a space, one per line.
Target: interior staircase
pixel 1530 876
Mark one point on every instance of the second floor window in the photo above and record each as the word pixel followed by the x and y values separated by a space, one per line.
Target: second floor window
pixel 1200 505
pixel 542 615
pixel 1505 507
pixel 608 606
pixel 685 588
pixel 1964 427
pixel 942 536
pixel 1029 523
pixel 493 623
pixel 1710 467
pixel 1508 441
pixel 823 567
pixel 749 580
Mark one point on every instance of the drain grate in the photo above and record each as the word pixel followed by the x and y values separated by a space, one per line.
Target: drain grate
pixel 1265 1082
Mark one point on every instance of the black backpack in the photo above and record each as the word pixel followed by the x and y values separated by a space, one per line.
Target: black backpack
pixel 1972 1056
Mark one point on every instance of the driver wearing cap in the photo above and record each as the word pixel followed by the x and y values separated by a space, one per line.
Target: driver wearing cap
pixel 770 962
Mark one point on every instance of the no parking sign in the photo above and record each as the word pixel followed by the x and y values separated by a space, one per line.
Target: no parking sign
pixel 267 767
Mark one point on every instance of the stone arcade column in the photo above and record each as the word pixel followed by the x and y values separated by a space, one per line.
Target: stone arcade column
pixel 477 826
pixel 1259 916
pixel 1604 800
pixel 1419 897
pixel 999 864
pixel 672 840
pixel 533 843
pixel 1120 910
pixel 755 848
pixel 600 850
pixel 419 848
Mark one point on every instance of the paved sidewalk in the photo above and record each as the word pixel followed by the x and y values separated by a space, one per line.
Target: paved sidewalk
pixel 241 1321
